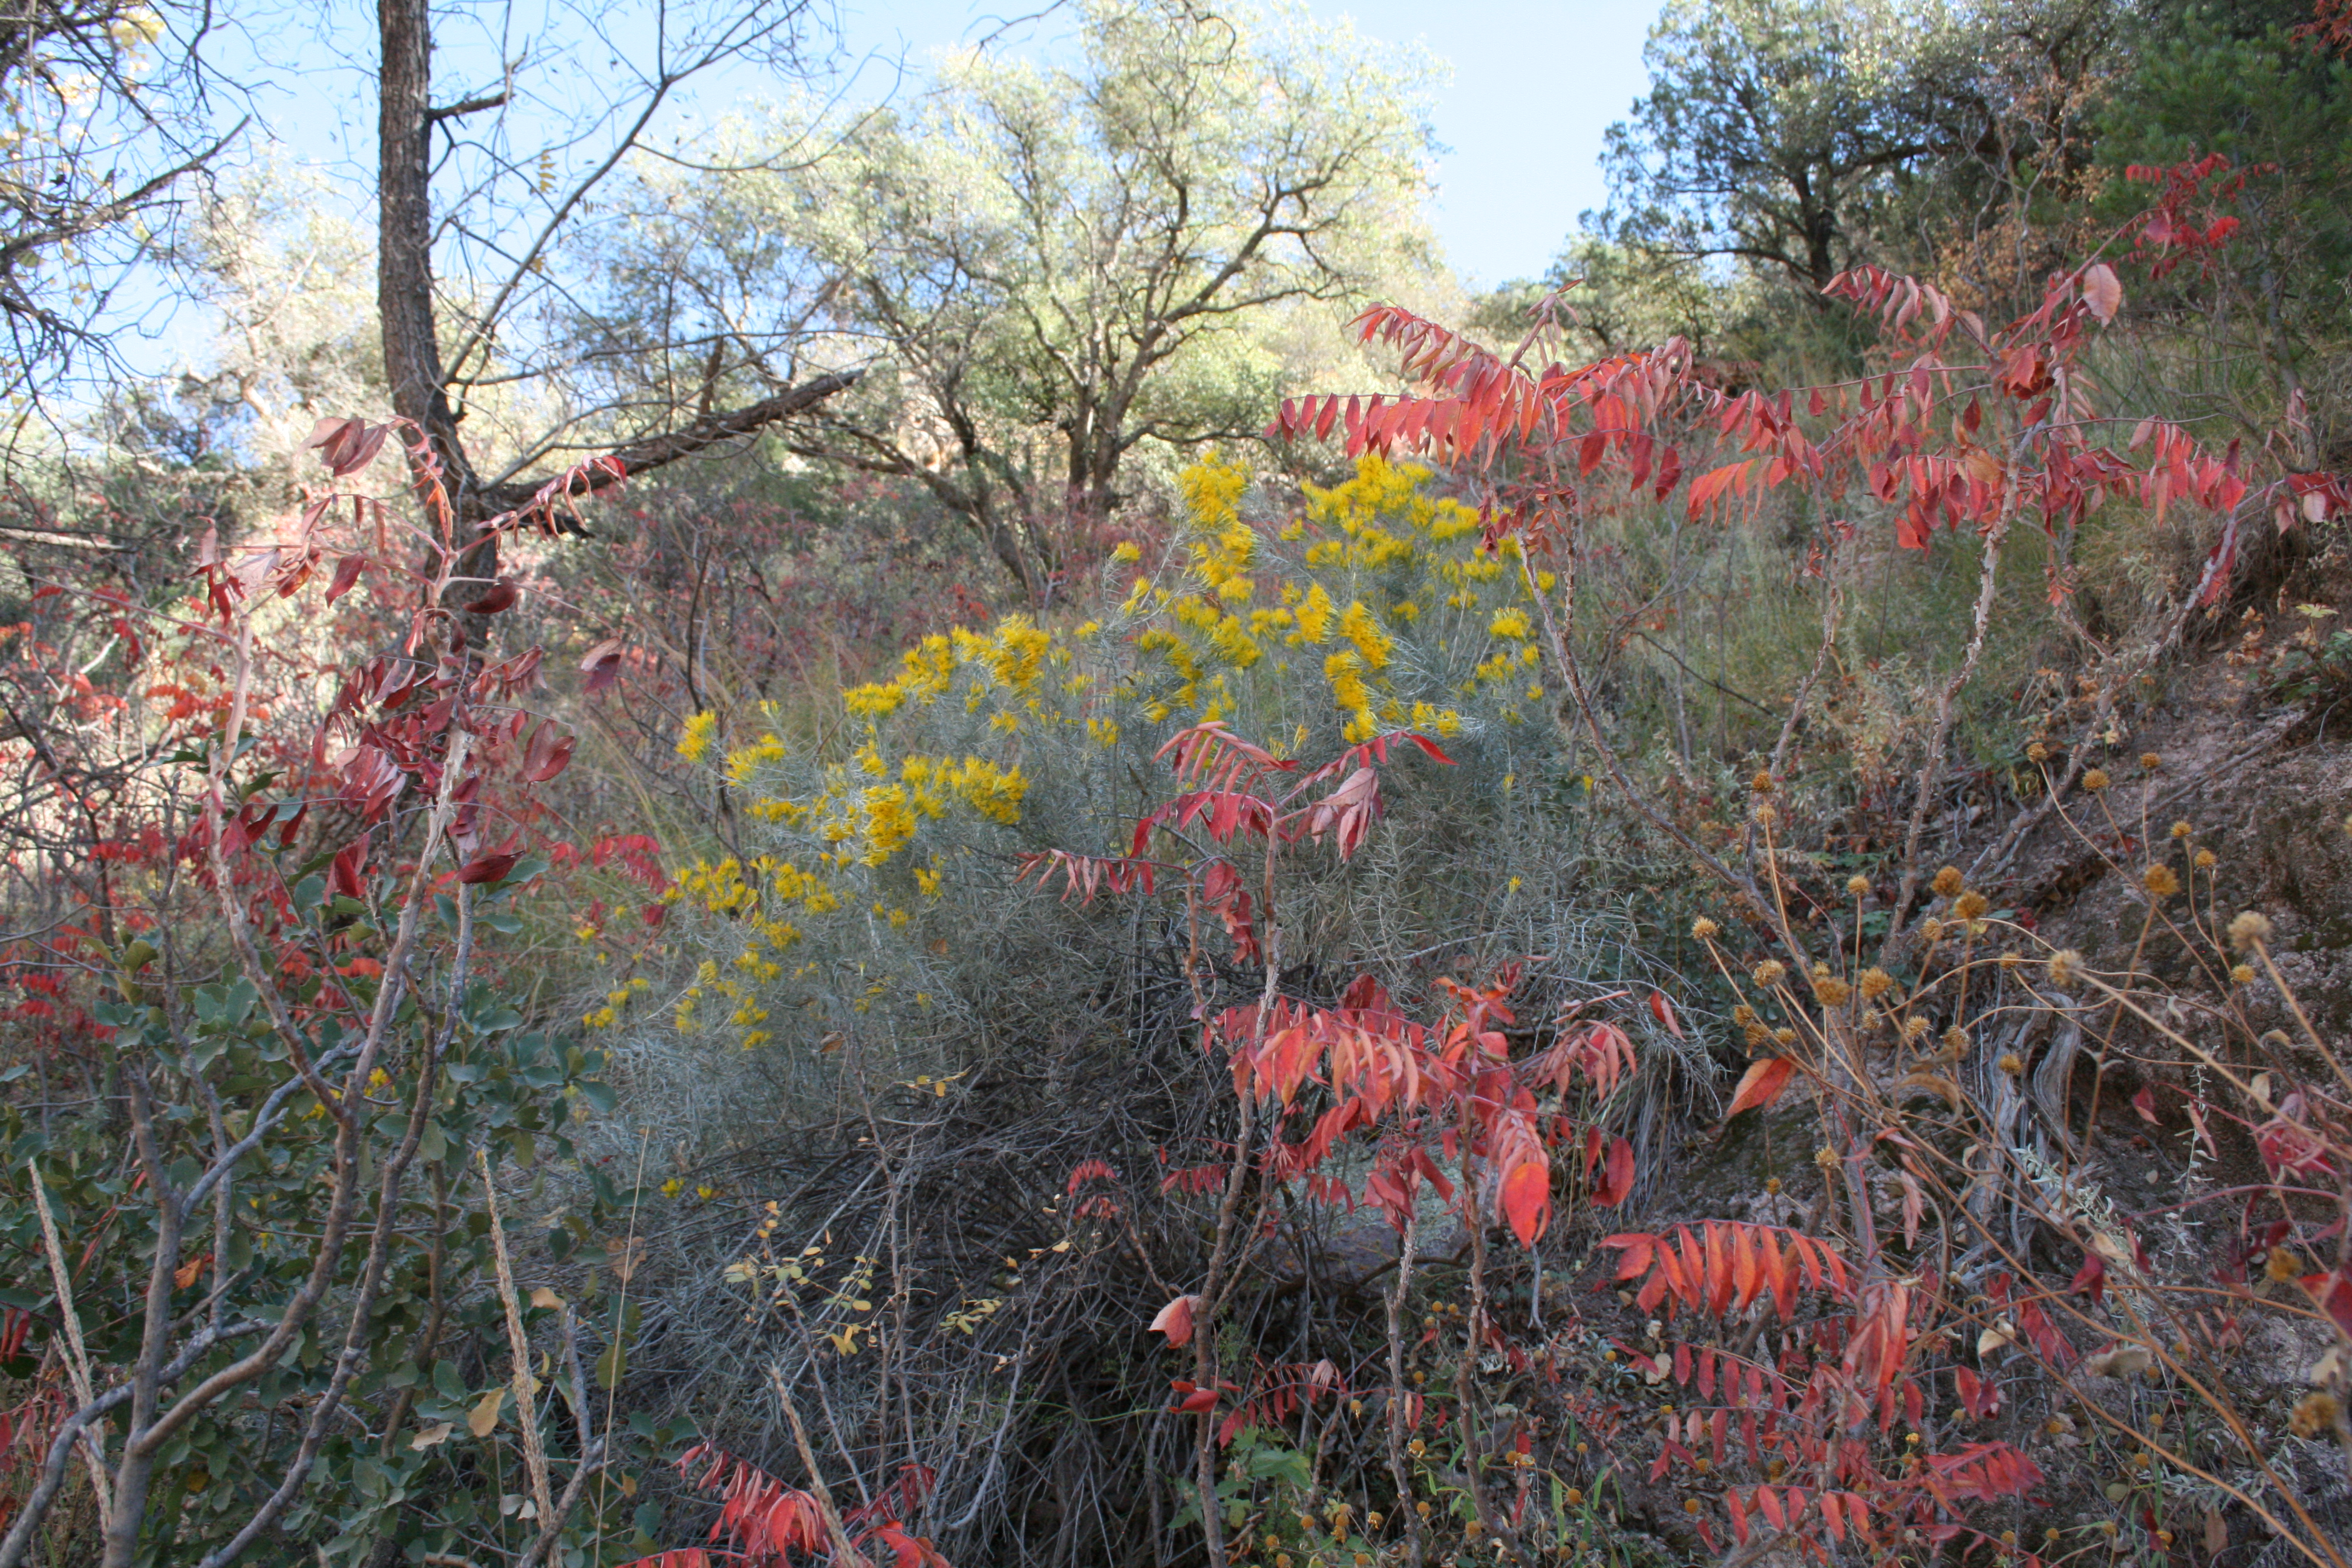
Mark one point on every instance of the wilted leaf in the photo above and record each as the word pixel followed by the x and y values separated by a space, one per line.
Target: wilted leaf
pixel 543 1297
pixel 1175 1320
pixel 1933 1083
pixel 602 665
pixel 2102 290
pixel 2118 1361
pixel 432 1436
pixel 483 1419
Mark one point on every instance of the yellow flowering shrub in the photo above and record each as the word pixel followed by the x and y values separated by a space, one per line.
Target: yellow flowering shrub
pixel 1371 609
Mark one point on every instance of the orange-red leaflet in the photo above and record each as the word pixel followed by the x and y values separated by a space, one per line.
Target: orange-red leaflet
pixel 1760 1085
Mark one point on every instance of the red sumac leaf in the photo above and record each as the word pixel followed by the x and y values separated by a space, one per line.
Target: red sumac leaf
pixel 602 665
pixel 500 595
pixel 1526 1199
pixel 1175 1320
pixel 1760 1085
pixel 549 754
pixel 1617 1183
pixel 488 867
pixel 1663 1012
pixel 347 573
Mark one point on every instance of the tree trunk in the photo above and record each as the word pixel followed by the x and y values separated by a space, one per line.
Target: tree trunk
pixel 412 350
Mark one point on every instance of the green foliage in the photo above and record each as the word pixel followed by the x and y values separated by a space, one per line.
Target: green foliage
pixel 1046 269
pixel 1772 133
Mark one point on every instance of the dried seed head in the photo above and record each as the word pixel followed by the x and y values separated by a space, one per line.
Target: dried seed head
pixel 1825 1157
pixel 2281 1264
pixel 2151 760
pixel 2010 961
pixel 2011 1064
pixel 1932 929
pixel 1833 991
pixel 1858 886
pixel 2317 1416
pixel 1956 1040
pixel 2095 780
pixel 1772 1186
pixel 2064 965
pixel 1875 983
pixel 2161 880
pixel 1757 1035
pixel 1770 973
pixel 1761 784
pixel 2037 753
pixel 1764 814
pixel 1784 1037
pixel 2206 860
pixel 2249 929
pixel 1704 929
pixel 2182 829
pixel 1743 1015
pixel 1971 906
pixel 1914 1027
pixel 2243 974
pixel 1948 882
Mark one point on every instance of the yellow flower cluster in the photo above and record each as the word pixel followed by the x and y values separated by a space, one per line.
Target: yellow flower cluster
pixel 694 737
pixel 1378 585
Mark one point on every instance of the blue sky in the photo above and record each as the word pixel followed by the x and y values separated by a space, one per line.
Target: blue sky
pixel 1535 85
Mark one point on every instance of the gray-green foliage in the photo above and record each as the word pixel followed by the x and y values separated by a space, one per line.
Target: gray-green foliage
pixel 1044 267
pixel 909 1047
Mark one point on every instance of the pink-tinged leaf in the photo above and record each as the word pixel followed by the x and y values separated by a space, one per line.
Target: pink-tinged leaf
pixel 548 755
pixel 1663 1012
pixel 1429 747
pixel 2102 290
pixel 1195 1403
pixel 602 665
pixel 1175 1320
pixel 2090 1280
pixel 1526 1199
pixel 1760 1085
pixel 347 573
pixel 2144 1104
pixel 500 595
